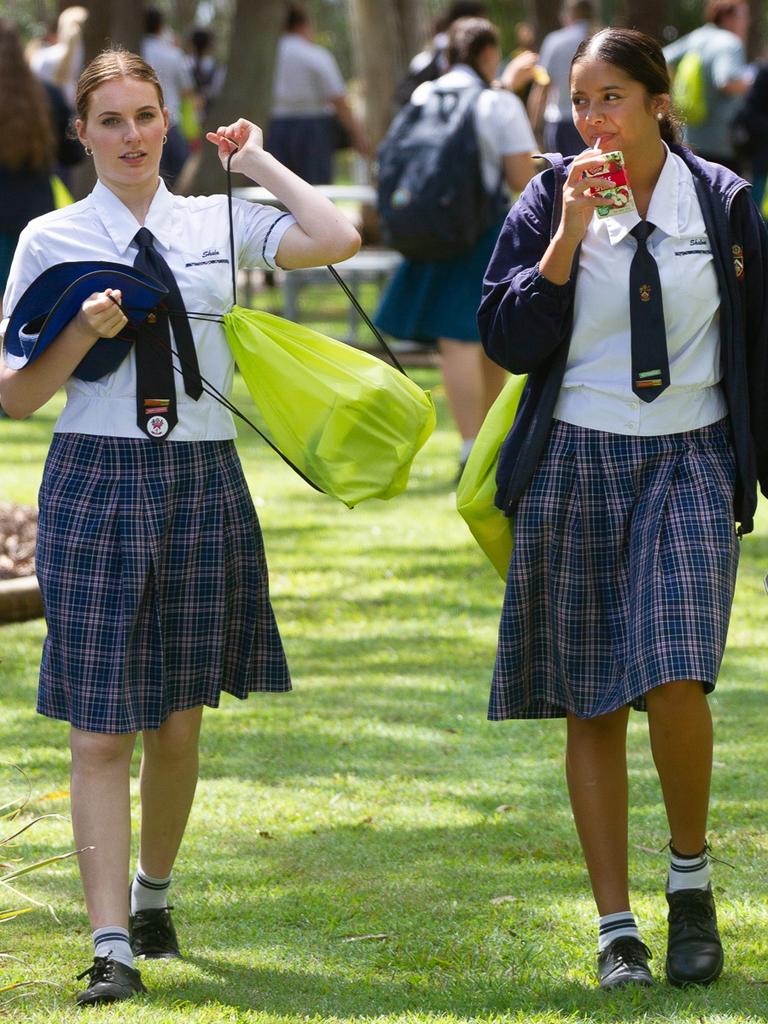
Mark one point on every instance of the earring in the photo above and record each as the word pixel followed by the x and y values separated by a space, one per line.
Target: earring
pixel 88 152
pixel 659 117
pixel 165 139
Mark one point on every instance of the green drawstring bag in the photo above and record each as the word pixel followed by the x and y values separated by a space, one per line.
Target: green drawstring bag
pixel 350 423
pixel 477 488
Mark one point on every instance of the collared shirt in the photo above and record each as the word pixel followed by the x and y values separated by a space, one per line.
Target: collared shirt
pixel 596 390
pixel 307 78
pixel 502 124
pixel 192 235
pixel 557 51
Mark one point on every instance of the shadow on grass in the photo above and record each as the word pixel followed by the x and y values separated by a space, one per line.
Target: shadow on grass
pixel 291 993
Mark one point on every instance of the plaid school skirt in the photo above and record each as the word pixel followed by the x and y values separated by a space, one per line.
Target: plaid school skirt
pixel 154 582
pixel 622 574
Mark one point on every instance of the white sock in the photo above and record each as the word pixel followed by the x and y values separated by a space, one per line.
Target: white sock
pixel 148 893
pixel 616 926
pixel 466 448
pixel 687 872
pixel 112 941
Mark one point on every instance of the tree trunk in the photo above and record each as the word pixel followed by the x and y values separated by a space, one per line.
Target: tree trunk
pixel 127 24
pixel 414 30
pixel 112 22
pixel 756 28
pixel 545 17
pixel 648 16
pixel 247 90
pixel 184 14
pixel 379 60
pixel 97 28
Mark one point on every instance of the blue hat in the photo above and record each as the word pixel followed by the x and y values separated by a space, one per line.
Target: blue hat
pixel 55 298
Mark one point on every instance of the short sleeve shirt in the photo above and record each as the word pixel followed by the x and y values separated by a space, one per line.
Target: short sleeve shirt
pixel 192 235
pixel 307 78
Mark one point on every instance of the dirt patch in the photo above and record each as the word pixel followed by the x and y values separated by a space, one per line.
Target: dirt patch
pixel 18 532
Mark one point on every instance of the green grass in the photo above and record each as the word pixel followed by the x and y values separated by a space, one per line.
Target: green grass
pixel 366 802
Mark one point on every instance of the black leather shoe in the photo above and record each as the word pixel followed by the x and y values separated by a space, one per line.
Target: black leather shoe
pixel 152 935
pixel 624 962
pixel 694 950
pixel 111 981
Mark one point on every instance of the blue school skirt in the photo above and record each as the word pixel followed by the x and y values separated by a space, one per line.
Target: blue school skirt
pixel 425 301
pixel 622 575
pixel 154 582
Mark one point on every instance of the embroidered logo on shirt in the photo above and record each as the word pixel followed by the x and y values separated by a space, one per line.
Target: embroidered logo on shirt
pixel 208 256
pixel 738 261
pixel 698 246
pixel 645 293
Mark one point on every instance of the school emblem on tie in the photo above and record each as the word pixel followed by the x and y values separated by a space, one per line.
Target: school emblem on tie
pixel 645 293
pixel 738 261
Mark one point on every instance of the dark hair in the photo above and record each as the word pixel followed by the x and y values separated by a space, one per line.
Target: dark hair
pixel 153 21
pixel 111 65
pixel 717 11
pixel 639 56
pixel 296 17
pixel 580 10
pixel 26 129
pixel 468 37
pixel 201 40
pixel 460 9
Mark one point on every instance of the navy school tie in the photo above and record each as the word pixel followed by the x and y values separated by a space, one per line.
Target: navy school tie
pixel 156 412
pixel 650 361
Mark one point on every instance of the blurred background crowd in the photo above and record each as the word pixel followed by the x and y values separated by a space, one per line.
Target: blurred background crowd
pixel 325 78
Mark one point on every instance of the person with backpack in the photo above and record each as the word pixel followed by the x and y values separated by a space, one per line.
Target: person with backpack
pixel 444 170
pixel 638 446
pixel 710 78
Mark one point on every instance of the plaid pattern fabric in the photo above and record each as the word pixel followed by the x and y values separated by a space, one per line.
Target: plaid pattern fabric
pixel 154 580
pixel 622 575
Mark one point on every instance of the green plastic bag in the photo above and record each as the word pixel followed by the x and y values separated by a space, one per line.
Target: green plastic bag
pixel 689 93
pixel 349 422
pixel 477 488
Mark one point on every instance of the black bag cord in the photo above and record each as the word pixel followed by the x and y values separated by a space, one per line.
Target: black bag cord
pixel 339 280
pixel 208 388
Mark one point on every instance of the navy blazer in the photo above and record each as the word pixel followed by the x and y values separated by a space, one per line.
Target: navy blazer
pixel 526 322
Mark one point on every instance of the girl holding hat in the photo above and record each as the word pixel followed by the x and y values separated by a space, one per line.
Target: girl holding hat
pixel 149 557
pixel 637 450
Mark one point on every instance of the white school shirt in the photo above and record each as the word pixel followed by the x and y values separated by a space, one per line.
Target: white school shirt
pixel 596 391
pixel 192 235
pixel 307 78
pixel 501 122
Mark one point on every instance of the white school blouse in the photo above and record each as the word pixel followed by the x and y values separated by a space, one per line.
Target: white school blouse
pixel 192 234
pixel 596 391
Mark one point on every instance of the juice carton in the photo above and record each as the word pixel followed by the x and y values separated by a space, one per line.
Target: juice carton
pixel 620 193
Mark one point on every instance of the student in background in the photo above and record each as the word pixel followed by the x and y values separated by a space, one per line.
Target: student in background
pixel 436 301
pixel 720 43
pixel 309 103
pixel 550 105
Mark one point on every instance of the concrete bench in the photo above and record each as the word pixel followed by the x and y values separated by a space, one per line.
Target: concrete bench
pixel 371 264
